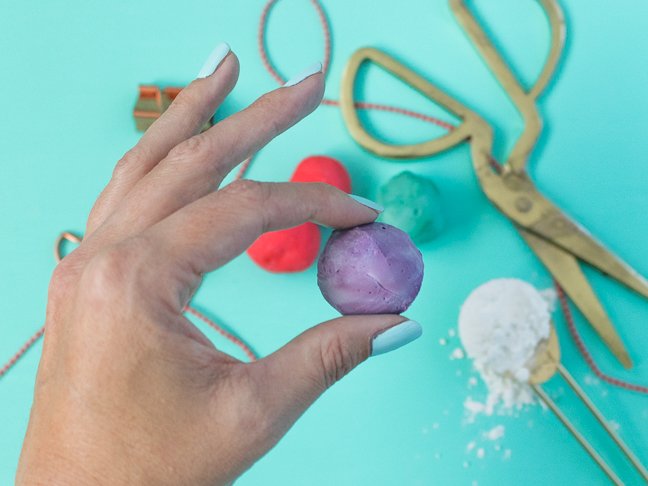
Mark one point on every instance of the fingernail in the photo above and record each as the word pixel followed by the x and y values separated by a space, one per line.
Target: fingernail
pixel 214 60
pixel 367 202
pixel 395 337
pixel 305 73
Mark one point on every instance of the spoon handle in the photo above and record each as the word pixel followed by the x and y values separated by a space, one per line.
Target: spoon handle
pixel 599 416
pixel 577 435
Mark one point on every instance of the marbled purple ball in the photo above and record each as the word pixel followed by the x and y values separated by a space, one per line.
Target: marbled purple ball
pixel 370 269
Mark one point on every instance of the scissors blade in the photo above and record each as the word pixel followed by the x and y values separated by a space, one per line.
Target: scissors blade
pixel 560 230
pixel 565 269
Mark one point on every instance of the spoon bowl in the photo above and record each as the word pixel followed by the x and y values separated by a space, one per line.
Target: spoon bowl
pixel 547 358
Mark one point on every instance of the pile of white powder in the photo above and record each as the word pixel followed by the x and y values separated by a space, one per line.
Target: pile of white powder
pixel 501 324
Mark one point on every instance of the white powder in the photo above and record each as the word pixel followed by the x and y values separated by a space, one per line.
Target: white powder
pixel 501 324
pixel 473 407
pixel 591 380
pixel 457 353
pixel 495 433
pixel 550 296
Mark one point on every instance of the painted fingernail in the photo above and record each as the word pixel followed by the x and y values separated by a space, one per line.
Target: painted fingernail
pixel 395 337
pixel 305 73
pixel 214 60
pixel 367 202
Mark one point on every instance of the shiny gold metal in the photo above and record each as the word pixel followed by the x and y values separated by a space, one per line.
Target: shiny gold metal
pixel 547 359
pixel 558 241
pixel 547 363
pixel 565 269
pixel 523 100
pixel 358 132
pixel 577 435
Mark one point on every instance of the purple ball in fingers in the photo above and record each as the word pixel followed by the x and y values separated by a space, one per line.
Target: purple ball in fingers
pixel 370 269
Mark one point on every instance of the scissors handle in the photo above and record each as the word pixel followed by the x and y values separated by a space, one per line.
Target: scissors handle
pixel 471 123
pixel 523 100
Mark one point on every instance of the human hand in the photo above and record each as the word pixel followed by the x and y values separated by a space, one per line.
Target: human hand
pixel 128 390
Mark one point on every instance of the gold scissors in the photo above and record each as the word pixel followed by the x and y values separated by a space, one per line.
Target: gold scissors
pixel 558 241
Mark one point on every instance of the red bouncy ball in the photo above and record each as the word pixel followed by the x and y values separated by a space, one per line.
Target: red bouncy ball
pixel 319 168
pixel 290 250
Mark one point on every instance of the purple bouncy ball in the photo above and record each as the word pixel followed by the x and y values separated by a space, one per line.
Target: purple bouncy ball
pixel 370 269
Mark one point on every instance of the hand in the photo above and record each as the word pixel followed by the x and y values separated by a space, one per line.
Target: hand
pixel 128 390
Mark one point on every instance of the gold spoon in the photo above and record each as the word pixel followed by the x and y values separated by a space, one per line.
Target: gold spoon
pixel 547 363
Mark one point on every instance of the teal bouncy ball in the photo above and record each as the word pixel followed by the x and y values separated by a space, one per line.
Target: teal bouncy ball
pixel 412 203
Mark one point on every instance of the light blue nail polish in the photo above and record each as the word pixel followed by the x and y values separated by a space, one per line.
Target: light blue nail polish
pixel 395 337
pixel 303 74
pixel 213 61
pixel 367 202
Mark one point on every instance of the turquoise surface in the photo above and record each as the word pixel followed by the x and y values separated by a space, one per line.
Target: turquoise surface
pixel 68 76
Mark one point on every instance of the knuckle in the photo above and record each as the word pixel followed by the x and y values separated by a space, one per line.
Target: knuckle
pixel 327 194
pixel 104 272
pixel 187 99
pixel 63 278
pixel 270 109
pixel 337 359
pixel 324 190
pixel 265 103
pixel 248 191
pixel 193 148
pixel 109 274
pixel 61 273
pixel 133 158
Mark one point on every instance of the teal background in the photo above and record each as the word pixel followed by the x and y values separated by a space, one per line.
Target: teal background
pixel 68 76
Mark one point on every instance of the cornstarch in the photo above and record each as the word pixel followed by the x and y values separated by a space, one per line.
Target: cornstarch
pixel 501 324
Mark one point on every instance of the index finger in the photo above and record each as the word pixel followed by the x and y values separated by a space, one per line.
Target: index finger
pixel 211 231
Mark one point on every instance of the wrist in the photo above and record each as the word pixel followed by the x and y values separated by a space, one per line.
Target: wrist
pixel 57 452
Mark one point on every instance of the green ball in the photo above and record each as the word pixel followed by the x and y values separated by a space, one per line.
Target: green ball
pixel 412 203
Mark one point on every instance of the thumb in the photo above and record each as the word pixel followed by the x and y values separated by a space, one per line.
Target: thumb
pixel 298 373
